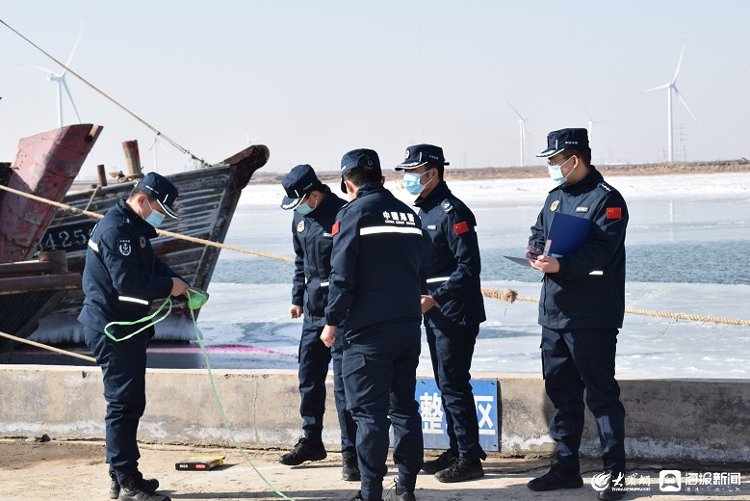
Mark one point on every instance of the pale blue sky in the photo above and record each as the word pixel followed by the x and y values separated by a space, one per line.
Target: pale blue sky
pixel 314 79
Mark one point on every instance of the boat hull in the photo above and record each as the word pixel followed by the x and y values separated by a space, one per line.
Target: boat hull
pixel 206 204
pixel 45 166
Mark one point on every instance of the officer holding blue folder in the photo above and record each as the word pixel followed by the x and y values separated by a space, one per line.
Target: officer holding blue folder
pixel 581 308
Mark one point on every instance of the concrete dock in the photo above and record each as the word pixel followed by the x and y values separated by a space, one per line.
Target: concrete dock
pixel 696 427
pixel 75 471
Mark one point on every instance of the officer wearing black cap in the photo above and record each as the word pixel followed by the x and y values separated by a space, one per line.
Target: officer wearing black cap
pixel 315 209
pixel 375 287
pixel 453 307
pixel 581 309
pixel 121 278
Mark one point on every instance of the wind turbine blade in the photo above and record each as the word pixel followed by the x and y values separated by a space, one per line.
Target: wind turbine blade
pixel 587 111
pixel 75 47
pixel 45 70
pixel 658 87
pixel 679 63
pixel 67 91
pixel 515 110
pixel 684 103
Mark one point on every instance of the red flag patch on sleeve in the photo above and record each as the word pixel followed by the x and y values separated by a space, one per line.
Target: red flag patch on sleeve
pixel 336 228
pixel 461 228
pixel 614 212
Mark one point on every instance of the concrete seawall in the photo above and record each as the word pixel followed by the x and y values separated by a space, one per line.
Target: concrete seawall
pixel 694 420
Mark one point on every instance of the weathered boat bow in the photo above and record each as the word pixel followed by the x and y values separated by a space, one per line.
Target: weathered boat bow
pixel 246 162
pixel 208 197
pixel 45 165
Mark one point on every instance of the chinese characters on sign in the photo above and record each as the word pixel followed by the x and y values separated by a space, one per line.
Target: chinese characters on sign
pixel 433 414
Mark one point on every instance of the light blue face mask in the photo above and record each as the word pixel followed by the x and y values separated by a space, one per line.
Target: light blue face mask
pixel 305 209
pixel 412 182
pixel 155 218
pixel 555 172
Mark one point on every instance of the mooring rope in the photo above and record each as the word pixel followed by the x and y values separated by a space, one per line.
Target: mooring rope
pixel 47 347
pixel 507 295
pixel 81 212
pixel 196 299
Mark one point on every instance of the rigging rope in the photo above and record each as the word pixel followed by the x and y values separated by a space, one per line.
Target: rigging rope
pixel 508 295
pixel 109 98
pixel 196 299
pixel 47 347
pixel 164 233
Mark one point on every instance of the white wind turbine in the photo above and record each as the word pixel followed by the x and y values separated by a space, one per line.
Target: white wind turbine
pixel 251 140
pixel 62 84
pixel 591 122
pixel 522 127
pixel 155 145
pixel 672 87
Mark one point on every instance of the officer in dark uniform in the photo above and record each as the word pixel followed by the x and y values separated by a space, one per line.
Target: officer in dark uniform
pixel 581 308
pixel 121 278
pixel 453 307
pixel 376 284
pixel 315 209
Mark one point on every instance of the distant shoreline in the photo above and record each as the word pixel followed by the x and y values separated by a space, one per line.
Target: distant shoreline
pixel 659 169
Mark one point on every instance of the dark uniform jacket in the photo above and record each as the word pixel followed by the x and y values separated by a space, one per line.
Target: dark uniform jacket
pixel 122 275
pixel 313 241
pixel 574 297
pixel 376 262
pixel 451 259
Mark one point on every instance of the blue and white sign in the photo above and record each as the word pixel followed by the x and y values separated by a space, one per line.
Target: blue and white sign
pixel 433 414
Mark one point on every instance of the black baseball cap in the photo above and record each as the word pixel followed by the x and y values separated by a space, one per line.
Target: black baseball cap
pixel 162 190
pixel 299 183
pixel 565 139
pixel 361 158
pixel 420 154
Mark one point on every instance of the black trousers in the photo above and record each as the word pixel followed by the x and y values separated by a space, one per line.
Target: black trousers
pixel 123 367
pixel 577 360
pixel 314 358
pixel 380 376
pixel 451 351
pixel 346 423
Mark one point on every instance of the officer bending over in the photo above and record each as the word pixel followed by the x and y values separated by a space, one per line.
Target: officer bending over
pixel 453 308
pixel 315 209
pixel 375 287
pixel 121 278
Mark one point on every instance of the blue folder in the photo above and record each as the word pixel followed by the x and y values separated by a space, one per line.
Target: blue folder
pixel 567 233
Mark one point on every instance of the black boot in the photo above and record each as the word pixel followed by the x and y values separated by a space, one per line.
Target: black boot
pixel 556 479
pixel 396 494
pixel 350 470
pixel 460 471
pixel 150 485
pixel 303 451
pixel 615 486
pixel 114 486
pixel 135 489
pixel 359 497
pixel 442 462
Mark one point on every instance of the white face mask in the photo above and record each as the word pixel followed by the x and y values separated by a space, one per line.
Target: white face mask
pixel 413 182
pixel 304 208
pixel 555 172
pixel 155 218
